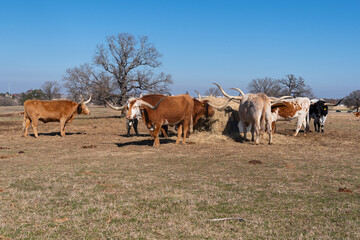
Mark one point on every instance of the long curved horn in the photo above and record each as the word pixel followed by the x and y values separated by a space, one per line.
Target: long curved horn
pixel 149 105
pixel 115 108
pixel 227 95
pixel 198 95
pixel 333 104
pixel 238 89
pixel 221 106
pixel 88 100
pixel 274 99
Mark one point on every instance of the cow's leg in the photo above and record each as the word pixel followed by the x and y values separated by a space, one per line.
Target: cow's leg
pixel 179 133
pixel 164 130
pixel 252 132
pixel 186 124
pixel 257 129
pixel 27 125
pixel 156 135
pixel 243 126
pixel 273 127
pixel 269 128
pixel 298 125
pixel 322 122
pixel 305 127
pixel 318 126
pixel 62 127
pixel 34 126
pixel 136 122
pixel 128 126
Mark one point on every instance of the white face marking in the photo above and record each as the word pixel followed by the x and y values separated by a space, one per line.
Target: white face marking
pixel 135 110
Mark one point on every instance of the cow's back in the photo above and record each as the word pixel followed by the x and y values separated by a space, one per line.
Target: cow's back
pixel 173 108
pixel 49 111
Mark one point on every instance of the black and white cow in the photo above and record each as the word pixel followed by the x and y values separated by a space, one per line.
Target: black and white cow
pixel 318 111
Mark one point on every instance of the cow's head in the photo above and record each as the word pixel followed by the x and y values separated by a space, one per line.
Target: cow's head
pixel 133 109
pixel 82 108
pixel 204 106
pixel 135 106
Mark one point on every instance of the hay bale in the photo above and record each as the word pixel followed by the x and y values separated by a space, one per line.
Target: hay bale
pixel 224 122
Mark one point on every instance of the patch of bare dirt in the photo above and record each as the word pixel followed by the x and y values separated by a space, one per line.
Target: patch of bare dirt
pixel 345 190
pixel 89 146
pixel 255 162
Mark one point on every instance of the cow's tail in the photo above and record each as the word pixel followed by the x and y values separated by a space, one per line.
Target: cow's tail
pixel 262 120
pixel 307 122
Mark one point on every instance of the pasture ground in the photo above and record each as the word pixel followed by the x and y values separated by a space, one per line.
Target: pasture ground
pixel 95 183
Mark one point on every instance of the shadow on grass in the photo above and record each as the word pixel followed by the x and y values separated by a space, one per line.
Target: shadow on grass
pixel 101 117
pixel 147 142
pixel 134 135
pixel 56 134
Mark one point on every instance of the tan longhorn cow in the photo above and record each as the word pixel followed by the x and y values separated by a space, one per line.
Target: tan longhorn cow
pixel 62 111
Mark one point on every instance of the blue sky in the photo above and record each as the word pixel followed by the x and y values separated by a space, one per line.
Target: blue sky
pixel 228 42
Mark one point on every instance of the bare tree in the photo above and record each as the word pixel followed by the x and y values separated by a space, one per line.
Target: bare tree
pixel 146 80
pixel 122 54
pixel 269 86
pixel 353 100
pixel 213 92
pixel 295 87
pixel 51 90
pixel 83 80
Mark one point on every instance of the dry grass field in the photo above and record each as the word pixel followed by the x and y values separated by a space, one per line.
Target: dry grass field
pixel 95 183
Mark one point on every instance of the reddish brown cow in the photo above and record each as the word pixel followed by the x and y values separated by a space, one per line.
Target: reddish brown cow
pixel 357 114
pixel 201 109
pixel 153 99
pixel 62 111
pixel 170 110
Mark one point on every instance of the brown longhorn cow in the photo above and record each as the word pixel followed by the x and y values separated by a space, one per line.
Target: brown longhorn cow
pixel 202 108
pixel 153 99
pixel 170 110
pixel 62 111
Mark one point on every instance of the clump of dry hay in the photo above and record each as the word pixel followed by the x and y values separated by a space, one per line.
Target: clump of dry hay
pixel 224 122
pixel 224 125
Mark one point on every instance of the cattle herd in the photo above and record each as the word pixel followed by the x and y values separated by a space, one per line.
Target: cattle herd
pixel 257 113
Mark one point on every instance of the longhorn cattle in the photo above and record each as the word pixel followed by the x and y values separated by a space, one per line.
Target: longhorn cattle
pixel 62 111
pixel 202 108
pixel 150 98
pixel 289 109
pixel 319 111
pixel 254 110
pixel 170 110
pixel 357 114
